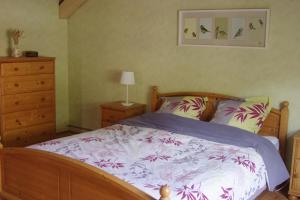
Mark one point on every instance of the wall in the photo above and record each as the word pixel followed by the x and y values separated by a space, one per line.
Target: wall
pixel 107 36
pixel 44 32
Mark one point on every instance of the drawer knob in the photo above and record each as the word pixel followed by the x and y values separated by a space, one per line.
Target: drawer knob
pixel 43 116
pixel 18 138
pixel 42 67
pixel 18 121
pixel 16 103
pixel 42 82
pixel 16 69
pixel 43 99
pixel 16 84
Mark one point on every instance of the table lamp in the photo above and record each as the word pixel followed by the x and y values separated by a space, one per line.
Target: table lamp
pixel 127 78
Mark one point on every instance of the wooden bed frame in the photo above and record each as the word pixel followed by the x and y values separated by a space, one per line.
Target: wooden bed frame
pixel 28 174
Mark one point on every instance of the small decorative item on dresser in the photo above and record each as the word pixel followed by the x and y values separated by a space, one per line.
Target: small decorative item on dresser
pixel 116 111
pixel 15 35
pixel 294 190
pixel 127 78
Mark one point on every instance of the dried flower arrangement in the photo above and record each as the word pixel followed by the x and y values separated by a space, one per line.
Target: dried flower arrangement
pixel 15 35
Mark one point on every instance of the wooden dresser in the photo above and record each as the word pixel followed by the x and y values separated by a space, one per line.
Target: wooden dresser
pixel 27 94
pixel 115 111
pixel 294 190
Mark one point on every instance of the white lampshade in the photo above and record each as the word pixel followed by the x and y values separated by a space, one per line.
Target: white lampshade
pixel 127 78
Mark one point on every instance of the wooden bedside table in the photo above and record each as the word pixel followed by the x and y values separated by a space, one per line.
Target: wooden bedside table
pixel 115 111
pixel 294 190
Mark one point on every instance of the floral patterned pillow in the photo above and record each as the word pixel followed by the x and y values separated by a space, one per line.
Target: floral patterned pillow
pixel 169 104
pixel 191 107
pixel 248 115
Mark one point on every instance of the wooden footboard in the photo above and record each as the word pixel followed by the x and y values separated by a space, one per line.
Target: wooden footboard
pixel 29 174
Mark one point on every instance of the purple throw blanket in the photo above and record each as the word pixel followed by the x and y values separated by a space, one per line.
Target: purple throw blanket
pixel 276 170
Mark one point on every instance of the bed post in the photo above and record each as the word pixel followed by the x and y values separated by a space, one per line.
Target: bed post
pixel 165 192
pixel 284 117
pixel 154 98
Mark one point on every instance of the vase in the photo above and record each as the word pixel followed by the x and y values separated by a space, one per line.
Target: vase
pixel 16 52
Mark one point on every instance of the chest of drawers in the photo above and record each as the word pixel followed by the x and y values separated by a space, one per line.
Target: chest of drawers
pixel 27 100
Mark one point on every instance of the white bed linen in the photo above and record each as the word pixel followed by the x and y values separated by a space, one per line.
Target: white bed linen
pixel 195 169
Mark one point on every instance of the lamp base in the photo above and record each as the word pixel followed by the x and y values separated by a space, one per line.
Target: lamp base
pixel 127 104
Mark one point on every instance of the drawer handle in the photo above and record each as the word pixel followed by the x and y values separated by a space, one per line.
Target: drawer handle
pixel 42 67
pixel 16 84
pixel 16 103
pixel 43 99
pixel 43 116
pixel 18 121
pixel 42 82
pixel 16 69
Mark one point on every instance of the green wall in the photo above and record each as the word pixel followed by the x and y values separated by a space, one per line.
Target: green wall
pixel 108 36
pixel 44 32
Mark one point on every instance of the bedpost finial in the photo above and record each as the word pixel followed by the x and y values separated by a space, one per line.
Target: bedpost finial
pixel 285 104
pixel 165 192
pixel 154 88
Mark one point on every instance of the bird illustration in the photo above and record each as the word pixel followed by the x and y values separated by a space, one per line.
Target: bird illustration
pixel 239 33
pixel 203 29
pixel 222 33
pixel 194 34
pixel 217 32
pixel 186 30
pixel 251 26
pixel 261 22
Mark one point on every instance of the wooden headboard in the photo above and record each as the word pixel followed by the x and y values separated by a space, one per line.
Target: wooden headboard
pixel 276 123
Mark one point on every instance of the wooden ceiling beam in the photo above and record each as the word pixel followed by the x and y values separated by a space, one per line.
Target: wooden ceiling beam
pixel 68 7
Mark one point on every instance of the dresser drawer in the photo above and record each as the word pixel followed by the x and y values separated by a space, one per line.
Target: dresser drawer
pixel 27 101
pixel 112 115
pixel 22 84
pixel 29 135
pixel 27 118
pixel 27 68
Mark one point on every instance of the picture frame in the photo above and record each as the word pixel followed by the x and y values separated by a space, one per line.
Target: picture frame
pixel 224 28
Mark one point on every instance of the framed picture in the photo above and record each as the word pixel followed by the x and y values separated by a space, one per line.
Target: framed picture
pixel 236 28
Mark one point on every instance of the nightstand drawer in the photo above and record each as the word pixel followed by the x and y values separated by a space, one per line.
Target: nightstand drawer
pixel 26 68
pixel 295 184
pixel 132 113
pixel 115 111
pixel 297 150
pixel 112 115
pixel 105 124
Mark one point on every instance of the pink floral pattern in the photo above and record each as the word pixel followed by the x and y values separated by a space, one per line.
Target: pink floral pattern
pixel 255 111
pixel 150 158
pixel 241 160
pixel 198 104
pixel 155 157
pixel 227 193
pixel 248 115
pixel 108 163
pixel 191 193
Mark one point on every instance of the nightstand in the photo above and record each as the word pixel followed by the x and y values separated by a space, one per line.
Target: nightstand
pixel 294 190
pixel 115 111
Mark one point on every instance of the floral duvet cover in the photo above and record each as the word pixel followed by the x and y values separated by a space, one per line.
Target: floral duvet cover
pixel 194 168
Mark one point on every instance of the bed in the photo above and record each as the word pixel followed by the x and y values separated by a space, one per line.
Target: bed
pixel 32 173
